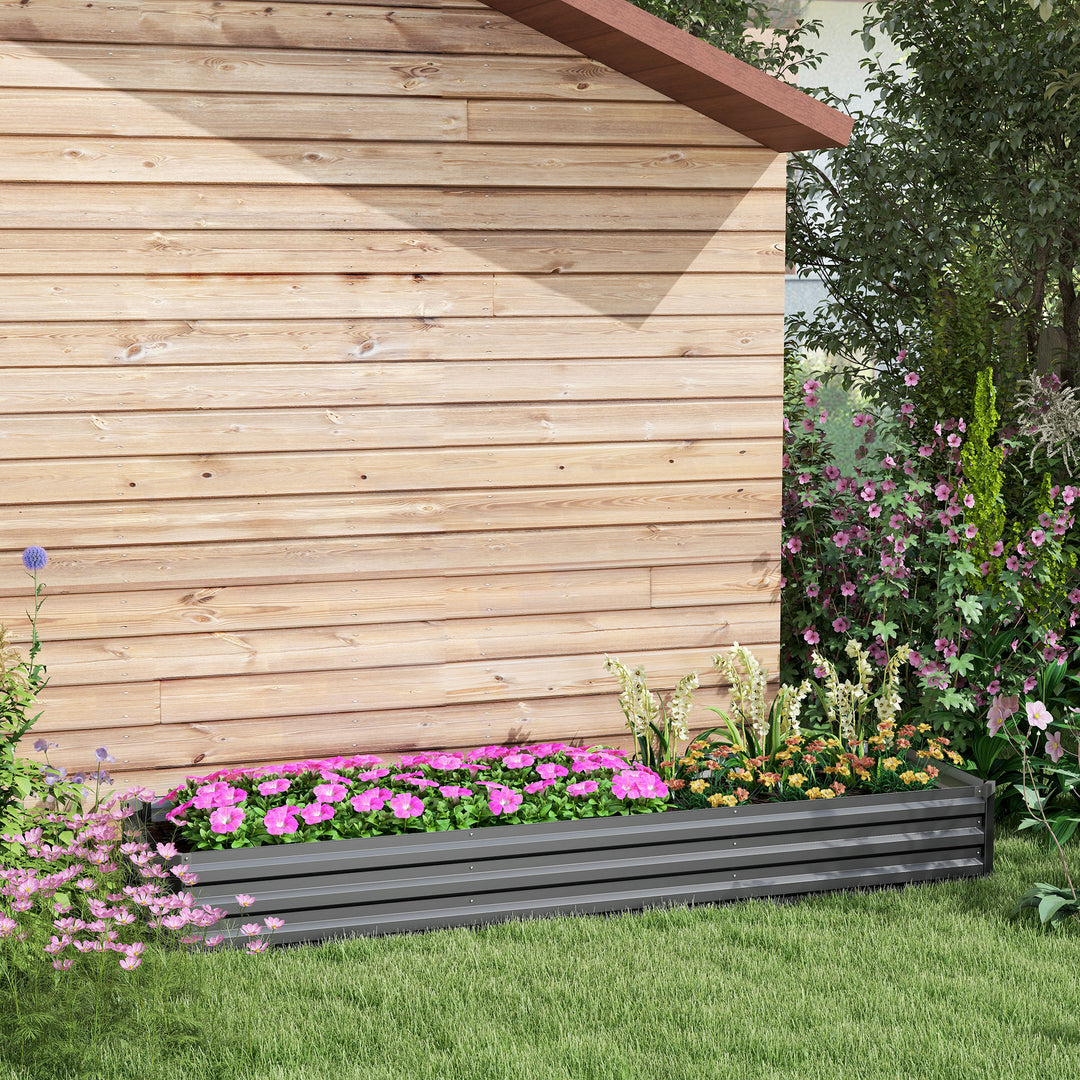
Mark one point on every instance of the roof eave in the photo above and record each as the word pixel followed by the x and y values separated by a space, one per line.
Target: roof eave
pixel 686 69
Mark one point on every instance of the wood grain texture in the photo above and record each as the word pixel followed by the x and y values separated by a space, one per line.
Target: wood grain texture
pixel 312 71
pixel 229 115
pixel 38 436
pixel 340 649
pixel 722 583
pixel 230 609
pixel 213 476
pixel 190 521
pixel 343 296
pixel 103 390
pixel 617 123
pixel 693 340
pixel 282 26
pixel 242 204
pixel 221 698
pixel 44 251
pixel 88 159
pixel 197 566
pixel 200 748
pixel 219 296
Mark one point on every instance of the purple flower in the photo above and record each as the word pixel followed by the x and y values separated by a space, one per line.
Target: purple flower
pixel 408 806
pixel 34 558
pixel 103 755
pixel 226 819
pixel 41 746
pixel 810 635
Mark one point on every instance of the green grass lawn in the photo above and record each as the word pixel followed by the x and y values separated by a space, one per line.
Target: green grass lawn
pixel 934 982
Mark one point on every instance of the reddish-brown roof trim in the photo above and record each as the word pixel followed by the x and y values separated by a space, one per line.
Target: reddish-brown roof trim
pixel 677 64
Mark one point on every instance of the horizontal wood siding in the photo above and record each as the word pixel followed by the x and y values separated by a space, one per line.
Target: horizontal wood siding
pixel 370 372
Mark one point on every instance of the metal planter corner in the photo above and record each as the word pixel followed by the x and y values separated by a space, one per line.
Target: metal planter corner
pixel 423 881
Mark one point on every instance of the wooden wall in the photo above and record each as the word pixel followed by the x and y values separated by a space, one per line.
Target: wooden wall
pixel 368 372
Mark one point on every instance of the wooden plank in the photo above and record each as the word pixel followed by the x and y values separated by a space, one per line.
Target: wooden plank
pixel 332 386
pixel 73 205
pixel 309 71
pixel 41 252
pixel 188 521
pixel 94 708
pixel 635 294
pixel 596 122
pixel 250 696
pixel 229 115
pixel 674 586
pixel 212 476
pixel 342 296
pixel 198 749
pixel 282 26
pixel 100 160
pixel 221 296
pixel 343 648
pixel 142 344
pixel 38 437
pixel 233 609
pixel 198 566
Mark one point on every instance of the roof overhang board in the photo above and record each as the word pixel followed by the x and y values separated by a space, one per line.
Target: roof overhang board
pixel 686 69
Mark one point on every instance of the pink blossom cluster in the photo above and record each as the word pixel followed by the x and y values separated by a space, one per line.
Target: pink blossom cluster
pixel 344 797
pixel 77 887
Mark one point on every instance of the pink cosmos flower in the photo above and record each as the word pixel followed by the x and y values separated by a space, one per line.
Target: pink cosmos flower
pixel 271 922
pixel 130 963
pixel 274 787
pixel 244 900
pixel 502 800
pixel 256 945
pixel 1001 708
pixel 406 806
pixel 315 812
pixel 281 820
pixel 226 819
pixel 1054 749
pixel 1038 715
pixel 251 929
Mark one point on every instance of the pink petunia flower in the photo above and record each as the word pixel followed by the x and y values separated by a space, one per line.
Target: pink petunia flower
pixel 452 791
pixel 330 793
pixel 550 770
pixel 316 812
pixel 502 800
pixel 583 787
pixel 369 800
pixel 274 787
pixel 281 820
pixel 406 806
pixel 226 819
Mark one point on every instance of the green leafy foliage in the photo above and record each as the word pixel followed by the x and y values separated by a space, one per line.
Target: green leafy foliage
pixel 981 463
pixel 963 161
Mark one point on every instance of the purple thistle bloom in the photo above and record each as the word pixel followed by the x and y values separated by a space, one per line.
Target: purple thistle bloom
pixel 34 558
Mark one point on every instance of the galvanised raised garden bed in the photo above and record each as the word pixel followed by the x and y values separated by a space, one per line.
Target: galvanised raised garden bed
pixel 422 881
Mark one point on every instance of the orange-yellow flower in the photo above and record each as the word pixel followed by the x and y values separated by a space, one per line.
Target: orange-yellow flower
pixel 698 786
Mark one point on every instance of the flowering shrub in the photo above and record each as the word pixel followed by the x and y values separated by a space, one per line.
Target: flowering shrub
pixel 345 797
pixel 900 550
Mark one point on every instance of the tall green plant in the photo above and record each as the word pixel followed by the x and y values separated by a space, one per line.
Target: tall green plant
pixel 980 487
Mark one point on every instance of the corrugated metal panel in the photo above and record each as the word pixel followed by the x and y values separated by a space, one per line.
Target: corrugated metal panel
pixel 420 881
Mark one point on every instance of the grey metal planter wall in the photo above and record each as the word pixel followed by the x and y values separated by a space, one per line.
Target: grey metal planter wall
pixel 421 881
